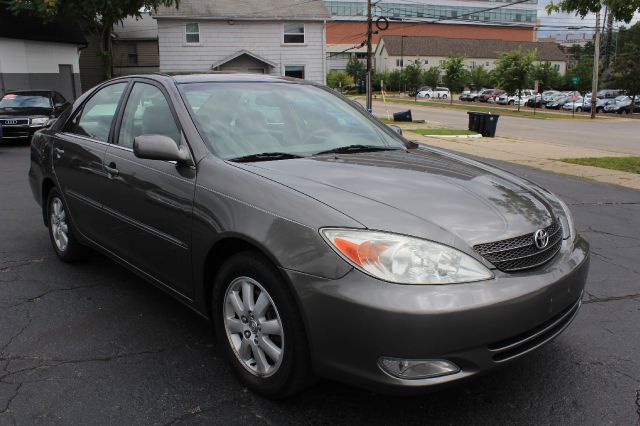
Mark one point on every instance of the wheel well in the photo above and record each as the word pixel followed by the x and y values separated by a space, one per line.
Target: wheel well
pixel 47 184
pixel 218 254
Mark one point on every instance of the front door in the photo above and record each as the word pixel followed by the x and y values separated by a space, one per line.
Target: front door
pixel 150 201
pixel 78 152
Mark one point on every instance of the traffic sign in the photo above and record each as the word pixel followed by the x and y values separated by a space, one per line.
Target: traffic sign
pixel 575 79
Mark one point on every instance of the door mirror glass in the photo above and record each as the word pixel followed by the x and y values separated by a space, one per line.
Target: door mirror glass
pixel 159 147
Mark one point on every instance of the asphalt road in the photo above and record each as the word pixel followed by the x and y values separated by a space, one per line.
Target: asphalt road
pixel 615 134
pixel 93 344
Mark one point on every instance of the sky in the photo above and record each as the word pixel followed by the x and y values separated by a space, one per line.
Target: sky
pixel 569 20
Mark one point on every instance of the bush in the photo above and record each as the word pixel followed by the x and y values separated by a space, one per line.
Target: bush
pixel 338 79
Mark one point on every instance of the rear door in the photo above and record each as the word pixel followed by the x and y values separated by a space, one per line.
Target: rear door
pixel 150 202
pixel 78 152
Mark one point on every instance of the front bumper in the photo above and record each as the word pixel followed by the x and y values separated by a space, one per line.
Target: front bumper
pixel 353 321
pixel 17 132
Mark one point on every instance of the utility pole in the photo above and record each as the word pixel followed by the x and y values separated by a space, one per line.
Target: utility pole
pixel 369 35
pixel 402 61
pixel 596 67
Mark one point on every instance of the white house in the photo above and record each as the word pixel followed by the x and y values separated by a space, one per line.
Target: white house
pixel 34 55
pixel 394 51
pixel 278 37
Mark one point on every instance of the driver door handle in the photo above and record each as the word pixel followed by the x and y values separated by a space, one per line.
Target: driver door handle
pixel 111 169
pixel 59 152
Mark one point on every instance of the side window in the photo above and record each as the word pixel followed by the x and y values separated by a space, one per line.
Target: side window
pixel 147 112
pixel 97 114
pixel 58 99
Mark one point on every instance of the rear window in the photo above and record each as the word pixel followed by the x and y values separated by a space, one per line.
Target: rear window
pixel 16 100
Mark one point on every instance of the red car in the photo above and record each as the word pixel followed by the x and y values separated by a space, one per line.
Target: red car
pixel 490 95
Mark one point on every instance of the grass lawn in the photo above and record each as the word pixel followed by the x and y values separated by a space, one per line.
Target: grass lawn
pixel 442 131
pixel 624 164
pixel 524 112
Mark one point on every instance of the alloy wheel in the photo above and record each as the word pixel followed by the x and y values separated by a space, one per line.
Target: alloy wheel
pixel 253 327
pixel 59 225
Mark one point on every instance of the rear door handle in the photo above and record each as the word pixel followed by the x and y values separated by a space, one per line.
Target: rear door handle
pixel 111 169
pixel 59 152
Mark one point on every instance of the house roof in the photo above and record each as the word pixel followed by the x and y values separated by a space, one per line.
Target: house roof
pixel 26 27
pixel 470 48
pixel 247 9
pixel 240 53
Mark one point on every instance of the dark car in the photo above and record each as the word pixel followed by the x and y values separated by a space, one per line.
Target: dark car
pixel 318 240
pixel 23 112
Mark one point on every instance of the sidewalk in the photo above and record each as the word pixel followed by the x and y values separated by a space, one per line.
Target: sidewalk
pixel 542 155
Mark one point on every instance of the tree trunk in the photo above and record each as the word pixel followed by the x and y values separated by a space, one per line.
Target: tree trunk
pixel 106 49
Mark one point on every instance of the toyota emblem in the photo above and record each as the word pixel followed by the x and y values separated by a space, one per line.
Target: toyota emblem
pixel 541 238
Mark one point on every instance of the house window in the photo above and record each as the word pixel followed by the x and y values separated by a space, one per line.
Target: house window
pixel 132 54
pixel 296 71
pixel 192 33
pixel 487 63
pixel 556 67
pixel 294 33
pixel 473 64
pixel 399 62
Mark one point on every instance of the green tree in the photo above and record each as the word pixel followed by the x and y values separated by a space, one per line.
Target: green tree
pixel 626 67
pixel 393 82
pixel 455 73
pixel 431 77
pixel 356 70
pixel 337 79
pixel 97 16
pixel 412 75
pixel 479 77
pixel 548 77
pixel 584 71
pixel 621 10
pixel 513 70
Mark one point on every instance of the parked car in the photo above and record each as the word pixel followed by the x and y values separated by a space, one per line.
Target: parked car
pixel 623 105
pixel 490 95
pixel 437 93
pixel 610 93
pixel 23 112
pixel 505 99
pixel 600 105
pixel 576 105
pixel 324 242
pixel 469 95
pixel 558 101
pixel 540 100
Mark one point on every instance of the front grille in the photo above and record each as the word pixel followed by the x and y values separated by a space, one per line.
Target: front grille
pixel 519 253
pixel 14 122
pixel 513 347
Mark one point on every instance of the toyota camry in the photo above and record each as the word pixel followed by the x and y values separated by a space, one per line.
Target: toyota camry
pixel 317 240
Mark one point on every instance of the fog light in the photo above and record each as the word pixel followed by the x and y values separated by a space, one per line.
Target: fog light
pixel 417 368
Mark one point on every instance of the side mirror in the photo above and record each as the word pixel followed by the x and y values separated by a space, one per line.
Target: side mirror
pixel 396 129
pixel 159 147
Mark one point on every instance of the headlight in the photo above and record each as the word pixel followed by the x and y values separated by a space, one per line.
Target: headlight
pixel 568 228
pixel 41 121
pixel 405 260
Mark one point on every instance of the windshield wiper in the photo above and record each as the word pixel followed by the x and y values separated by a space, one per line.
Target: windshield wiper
pixel 356 148
pixel 265 156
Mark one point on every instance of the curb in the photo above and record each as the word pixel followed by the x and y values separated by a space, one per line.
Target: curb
pixel 475 136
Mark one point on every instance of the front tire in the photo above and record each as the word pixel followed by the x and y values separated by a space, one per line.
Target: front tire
pixel 63 240
pixel 259 327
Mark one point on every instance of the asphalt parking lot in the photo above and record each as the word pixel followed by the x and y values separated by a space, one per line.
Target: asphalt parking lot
pixel 93 344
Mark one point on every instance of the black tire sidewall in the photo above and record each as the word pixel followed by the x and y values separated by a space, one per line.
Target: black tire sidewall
pixel 74 251
pixel 294 372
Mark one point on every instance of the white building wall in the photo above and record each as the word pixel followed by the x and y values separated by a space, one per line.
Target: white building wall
pixel 25 56
pixel 219 39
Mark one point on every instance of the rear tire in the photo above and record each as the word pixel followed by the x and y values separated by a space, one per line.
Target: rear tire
pixel 270 364
pixel 63 240
pixel 578 109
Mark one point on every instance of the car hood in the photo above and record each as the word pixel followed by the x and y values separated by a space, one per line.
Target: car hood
pixel 24 112
pixel 419 192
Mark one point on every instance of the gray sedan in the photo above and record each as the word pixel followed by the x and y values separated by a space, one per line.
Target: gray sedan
pixel 317 240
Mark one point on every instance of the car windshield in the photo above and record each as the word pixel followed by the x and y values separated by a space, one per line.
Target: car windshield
pixel 15 100
pixel 280 119
pixel 621 98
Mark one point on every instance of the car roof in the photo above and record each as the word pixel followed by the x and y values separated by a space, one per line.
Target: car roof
pixel 29 92
pixel 217 76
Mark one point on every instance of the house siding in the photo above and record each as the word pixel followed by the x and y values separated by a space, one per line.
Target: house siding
pixel 219 40
pixel 148 58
